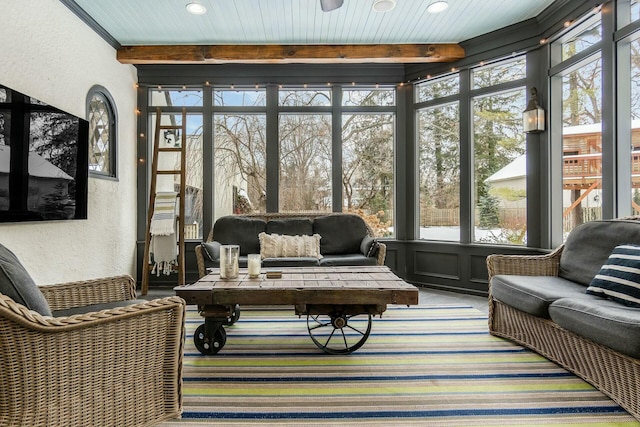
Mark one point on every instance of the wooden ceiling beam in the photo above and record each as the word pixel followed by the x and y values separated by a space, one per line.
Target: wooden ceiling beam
pixel 285 54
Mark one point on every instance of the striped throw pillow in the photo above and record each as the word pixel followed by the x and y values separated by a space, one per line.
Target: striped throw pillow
pixel 619 277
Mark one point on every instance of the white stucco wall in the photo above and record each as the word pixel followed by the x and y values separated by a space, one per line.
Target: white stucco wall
pixel 50 54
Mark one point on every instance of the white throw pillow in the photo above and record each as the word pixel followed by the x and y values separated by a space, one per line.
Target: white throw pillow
pixel 278 246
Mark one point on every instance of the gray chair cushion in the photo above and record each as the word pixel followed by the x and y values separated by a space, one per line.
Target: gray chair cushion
pixel 347 259
pixel 17 284
pixel 603 321
pixel 341 233
pixel 238 230
pixel 581 259
pixel 96 307
pixel 290 262
pixel 533 294
pixel 290 227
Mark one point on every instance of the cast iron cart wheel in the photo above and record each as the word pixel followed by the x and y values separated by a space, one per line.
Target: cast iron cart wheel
pixel 209 345
pixel 338 333
pixel 235 315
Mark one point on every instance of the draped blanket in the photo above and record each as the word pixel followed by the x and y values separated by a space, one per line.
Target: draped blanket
pixel 164 251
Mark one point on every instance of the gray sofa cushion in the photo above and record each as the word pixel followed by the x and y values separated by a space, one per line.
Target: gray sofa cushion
pixel 581 259
pixel 96 307
pixel 290 227
pixel 533 294
pixel 346 259
pixel 290 262
pixel 341 233
pixel 17 284
pixel 238 230
pixel 603 321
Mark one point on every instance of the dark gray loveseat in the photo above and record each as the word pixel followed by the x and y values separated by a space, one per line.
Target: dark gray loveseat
pixel 542 303
pixel 346 239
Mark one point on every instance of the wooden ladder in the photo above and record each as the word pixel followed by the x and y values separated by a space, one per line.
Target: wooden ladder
pixel 182 149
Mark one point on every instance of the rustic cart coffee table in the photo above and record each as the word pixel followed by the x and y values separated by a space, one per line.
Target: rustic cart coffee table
pixel 339 302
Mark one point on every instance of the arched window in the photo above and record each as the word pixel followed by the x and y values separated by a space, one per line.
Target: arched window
pixel 101 115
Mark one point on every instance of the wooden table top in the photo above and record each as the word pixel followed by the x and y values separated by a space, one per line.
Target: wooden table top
pixel 303 285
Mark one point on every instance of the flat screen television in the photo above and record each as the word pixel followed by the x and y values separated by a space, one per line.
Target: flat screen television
pixel 43 161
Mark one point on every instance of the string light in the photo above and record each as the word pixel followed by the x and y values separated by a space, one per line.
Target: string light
pixel 543 41
pixel 410 81
pixel 567 24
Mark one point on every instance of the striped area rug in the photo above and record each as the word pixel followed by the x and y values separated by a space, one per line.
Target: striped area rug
pixel 421 366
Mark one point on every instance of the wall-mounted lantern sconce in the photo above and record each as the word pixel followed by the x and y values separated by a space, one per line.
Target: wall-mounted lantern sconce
pixel 533 116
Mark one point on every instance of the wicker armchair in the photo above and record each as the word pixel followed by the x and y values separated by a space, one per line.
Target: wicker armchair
pixel 114 367
pixel 613 373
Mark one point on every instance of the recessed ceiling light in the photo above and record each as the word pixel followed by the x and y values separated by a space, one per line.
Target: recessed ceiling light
pixel 384 5
pixel 437 6
pixel 196 8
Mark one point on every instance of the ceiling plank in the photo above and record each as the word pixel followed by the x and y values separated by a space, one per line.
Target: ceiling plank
pixel 284 54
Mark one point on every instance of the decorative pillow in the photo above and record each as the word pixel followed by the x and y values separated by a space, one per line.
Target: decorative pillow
pixel 211 250
pixel 16 283
pixel 278 246
pixel 619 277
pixel 369 246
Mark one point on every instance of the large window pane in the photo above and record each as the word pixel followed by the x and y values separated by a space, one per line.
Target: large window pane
pixel 367 169
pixel 500 168
pixel 305 162
pixel 438 88
pixel 635 126
pixel 304 98
pixel 240 164
pixel 439 151
pixel 582 41
pixel 368 97
pixel 239 98
pixel 502 72
pixel 635 10
pixel 193 171
pixel 582 145
pixel 176 98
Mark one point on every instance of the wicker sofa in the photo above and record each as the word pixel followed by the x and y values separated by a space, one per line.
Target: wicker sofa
pixel 346 239
pixel 86 353
pixel 541 303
